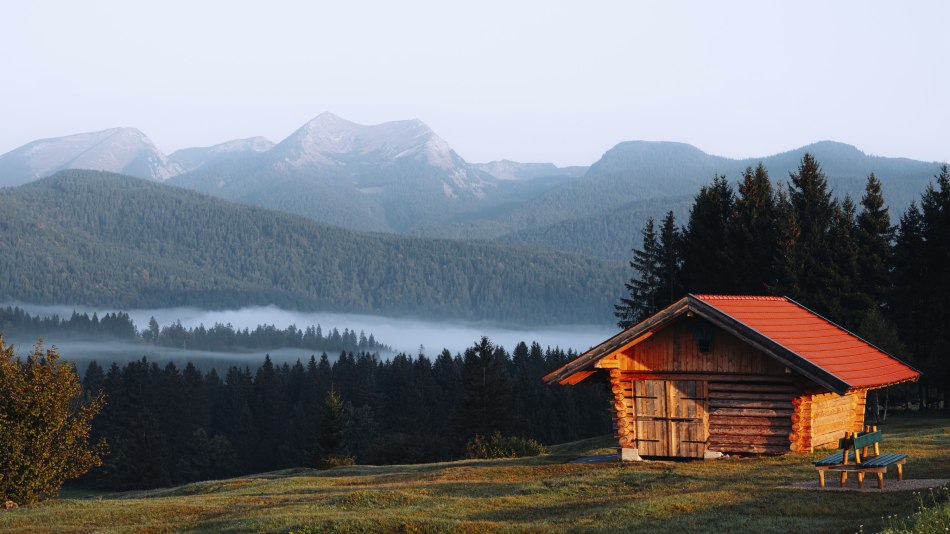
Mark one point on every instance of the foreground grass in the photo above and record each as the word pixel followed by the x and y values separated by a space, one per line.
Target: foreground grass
pixel 522 495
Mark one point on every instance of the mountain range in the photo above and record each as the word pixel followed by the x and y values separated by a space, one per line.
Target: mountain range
pixel 401 177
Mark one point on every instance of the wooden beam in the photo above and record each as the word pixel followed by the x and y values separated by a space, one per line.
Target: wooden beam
pixel 576 377
pixel 712 378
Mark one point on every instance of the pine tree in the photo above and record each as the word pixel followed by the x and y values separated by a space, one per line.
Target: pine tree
pixel 843 296
pixel 642 299
pixel 658 273
pixel 754 239
pixel 812 252
pixel 484 406
pixel 786 269
pixel 874 236
pixel 707 262
pixel 670 262
pixel 331 442
pixel 935 210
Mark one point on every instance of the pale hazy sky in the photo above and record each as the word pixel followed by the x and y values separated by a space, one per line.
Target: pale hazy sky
pixel 529 81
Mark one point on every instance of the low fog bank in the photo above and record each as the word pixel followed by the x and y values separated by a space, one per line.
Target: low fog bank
pixel 106 352
pixel 402 334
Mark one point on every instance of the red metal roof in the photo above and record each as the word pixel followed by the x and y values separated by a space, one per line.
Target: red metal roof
pixel 815 339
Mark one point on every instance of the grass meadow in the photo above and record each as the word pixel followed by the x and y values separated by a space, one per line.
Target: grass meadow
pixel 541 494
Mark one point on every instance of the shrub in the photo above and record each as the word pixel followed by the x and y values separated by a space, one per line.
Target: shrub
pixel 498 446
pixel 44 425
pixel 334 460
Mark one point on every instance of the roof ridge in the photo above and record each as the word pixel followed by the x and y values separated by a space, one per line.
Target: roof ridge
pixel 741 297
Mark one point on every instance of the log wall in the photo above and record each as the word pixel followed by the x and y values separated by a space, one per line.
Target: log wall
pixel 750 417
pixel 622 409
pixel 821 419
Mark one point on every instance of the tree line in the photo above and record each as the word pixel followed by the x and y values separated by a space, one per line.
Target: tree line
pixel 16 322
pixel 888 283
pixel 166 425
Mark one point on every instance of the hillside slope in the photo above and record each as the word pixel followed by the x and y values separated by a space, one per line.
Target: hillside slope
pixel 99 239
pixel 541 494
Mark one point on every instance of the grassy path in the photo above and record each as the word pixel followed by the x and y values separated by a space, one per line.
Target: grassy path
pixel 524 495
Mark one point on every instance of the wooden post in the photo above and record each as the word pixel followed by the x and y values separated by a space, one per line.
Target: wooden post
pixel 860 479
pixel 880 480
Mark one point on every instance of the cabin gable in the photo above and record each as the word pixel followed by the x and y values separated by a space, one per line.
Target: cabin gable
pixel 675 349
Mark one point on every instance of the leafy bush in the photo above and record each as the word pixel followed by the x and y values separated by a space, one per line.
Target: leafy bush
pixel 44 425
pixel 498 446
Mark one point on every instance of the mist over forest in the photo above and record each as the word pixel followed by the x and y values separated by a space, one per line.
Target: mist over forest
pixel 403 335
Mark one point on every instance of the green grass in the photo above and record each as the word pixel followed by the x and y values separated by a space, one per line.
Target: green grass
pixel 516 495
pixel 932 515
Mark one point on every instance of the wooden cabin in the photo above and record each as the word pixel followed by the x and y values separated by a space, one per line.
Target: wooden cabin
pixel 735 374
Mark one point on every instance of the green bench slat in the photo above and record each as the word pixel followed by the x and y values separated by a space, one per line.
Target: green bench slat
pixel 883 460
pixel 834 459
pixel 863 440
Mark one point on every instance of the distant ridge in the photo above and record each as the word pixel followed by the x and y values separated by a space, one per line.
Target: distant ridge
pixel 190 159
pixel 123 150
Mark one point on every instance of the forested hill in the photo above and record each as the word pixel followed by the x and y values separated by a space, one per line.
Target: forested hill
pixel 101 239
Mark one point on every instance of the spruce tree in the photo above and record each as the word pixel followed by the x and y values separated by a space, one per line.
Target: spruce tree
pixel 331 442
pixel 642 294
pixel 812 249
pixel 707 262
pixel 754 239
pixel 670 262
pixel 847 304
pixel 484 406
pixel 935 207
pixel 873 239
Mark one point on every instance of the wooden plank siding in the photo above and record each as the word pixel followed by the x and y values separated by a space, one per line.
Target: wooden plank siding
pixel 674 350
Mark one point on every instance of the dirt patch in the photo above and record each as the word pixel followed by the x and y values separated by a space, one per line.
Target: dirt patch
pixel 832 483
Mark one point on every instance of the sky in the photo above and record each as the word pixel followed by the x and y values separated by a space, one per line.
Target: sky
pixel 528 80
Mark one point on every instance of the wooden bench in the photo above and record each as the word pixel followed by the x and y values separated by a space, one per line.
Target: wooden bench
pixel 854 457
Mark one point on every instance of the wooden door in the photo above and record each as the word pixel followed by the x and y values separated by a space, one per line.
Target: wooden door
pixel 671 417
